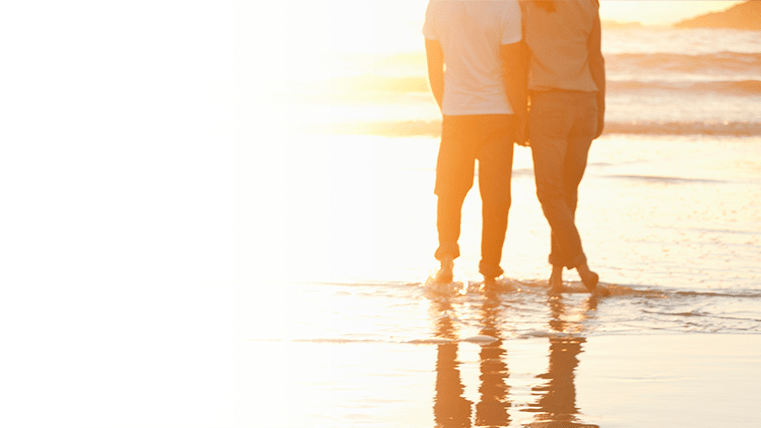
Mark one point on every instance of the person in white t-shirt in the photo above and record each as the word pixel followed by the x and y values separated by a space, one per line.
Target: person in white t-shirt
pixel 482 97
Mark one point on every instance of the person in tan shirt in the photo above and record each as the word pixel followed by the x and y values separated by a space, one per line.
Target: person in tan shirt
pixel 566 83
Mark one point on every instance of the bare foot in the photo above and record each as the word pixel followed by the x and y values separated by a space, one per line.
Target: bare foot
pixel 589 278
pixel 602 291
pixel 556 280
pixel 556 286
pixel 490 286
pixel 445 275
pixel 590 281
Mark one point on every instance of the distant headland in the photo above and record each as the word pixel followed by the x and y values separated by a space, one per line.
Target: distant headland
pixel 743 16
pixel 617 24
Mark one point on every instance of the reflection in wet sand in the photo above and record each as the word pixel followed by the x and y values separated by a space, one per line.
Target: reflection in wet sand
pixel 555 404
pixel 450 408
pixel 492 409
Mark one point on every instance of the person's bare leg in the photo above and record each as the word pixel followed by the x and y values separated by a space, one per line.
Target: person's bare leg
pixel 556 280
pixel 590 280
pixel 445 274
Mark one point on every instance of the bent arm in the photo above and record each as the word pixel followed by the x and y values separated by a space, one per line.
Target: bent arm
pixel 515 71
pixel 435 57
pixel 597 67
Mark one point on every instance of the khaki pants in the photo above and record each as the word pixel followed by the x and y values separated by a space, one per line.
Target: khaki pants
pixel 562 126
pixel 465 139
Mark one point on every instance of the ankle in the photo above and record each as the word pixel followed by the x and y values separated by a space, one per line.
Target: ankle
pixel 557 272
pixel 583 269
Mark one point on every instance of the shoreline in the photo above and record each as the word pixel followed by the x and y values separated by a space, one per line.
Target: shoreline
pixel 432 128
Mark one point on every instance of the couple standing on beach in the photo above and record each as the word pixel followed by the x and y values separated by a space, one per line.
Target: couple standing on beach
pixel 497 55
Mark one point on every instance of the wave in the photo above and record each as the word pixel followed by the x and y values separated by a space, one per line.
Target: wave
pixel 734 88
pixel 733 72
pixel 433 128
pixel 362 85
pixel 665 180
pixel 520 308
pixel 727 128
pixel 705 64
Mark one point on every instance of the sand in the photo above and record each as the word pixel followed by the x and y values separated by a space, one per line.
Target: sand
pixel 334 329
pixel 616 381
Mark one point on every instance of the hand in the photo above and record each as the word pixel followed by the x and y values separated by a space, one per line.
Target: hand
pixel 521 132
pixel 600 113
pixel 600 124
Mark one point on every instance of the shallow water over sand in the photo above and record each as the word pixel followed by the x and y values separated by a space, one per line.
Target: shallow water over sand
pixel 670 224
pixel 490 380
pixel 674 212
pixel 337 328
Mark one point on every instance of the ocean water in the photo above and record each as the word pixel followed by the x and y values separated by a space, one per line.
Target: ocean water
pixel 337 231
pixel 660 81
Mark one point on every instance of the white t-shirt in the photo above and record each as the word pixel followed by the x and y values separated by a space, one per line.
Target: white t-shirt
pixel 470 34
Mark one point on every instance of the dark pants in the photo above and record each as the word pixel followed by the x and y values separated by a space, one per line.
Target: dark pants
pixel 562 126
pixel 463 140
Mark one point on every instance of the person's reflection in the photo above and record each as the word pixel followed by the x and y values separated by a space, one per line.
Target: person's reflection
pixel 556 403
pixel 492 408
pixel 450 408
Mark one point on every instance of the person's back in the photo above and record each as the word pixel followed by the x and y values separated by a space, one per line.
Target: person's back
pixel 558 38
pixel 470 34
pixel 567 87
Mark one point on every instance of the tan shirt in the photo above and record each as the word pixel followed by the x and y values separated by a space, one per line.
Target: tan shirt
pixel 558 42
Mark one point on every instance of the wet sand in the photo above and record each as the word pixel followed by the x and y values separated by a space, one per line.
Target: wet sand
pixel 334 329
pixel 666 211
pixel 614 381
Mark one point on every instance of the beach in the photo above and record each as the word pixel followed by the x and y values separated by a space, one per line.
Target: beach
pixel 221 214
pixel 337 323
pixel 688 204
pixel 659 380
pixel 340 328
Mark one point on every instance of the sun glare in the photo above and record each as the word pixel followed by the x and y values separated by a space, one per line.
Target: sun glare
pixel 298 41
pixel 341 26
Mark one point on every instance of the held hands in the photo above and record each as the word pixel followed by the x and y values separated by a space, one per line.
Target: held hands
pixel 600 113
pixel 521 130
pixel 600 120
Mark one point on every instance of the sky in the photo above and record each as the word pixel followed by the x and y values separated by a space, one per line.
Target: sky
pixel 658 12
pixel 395 25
